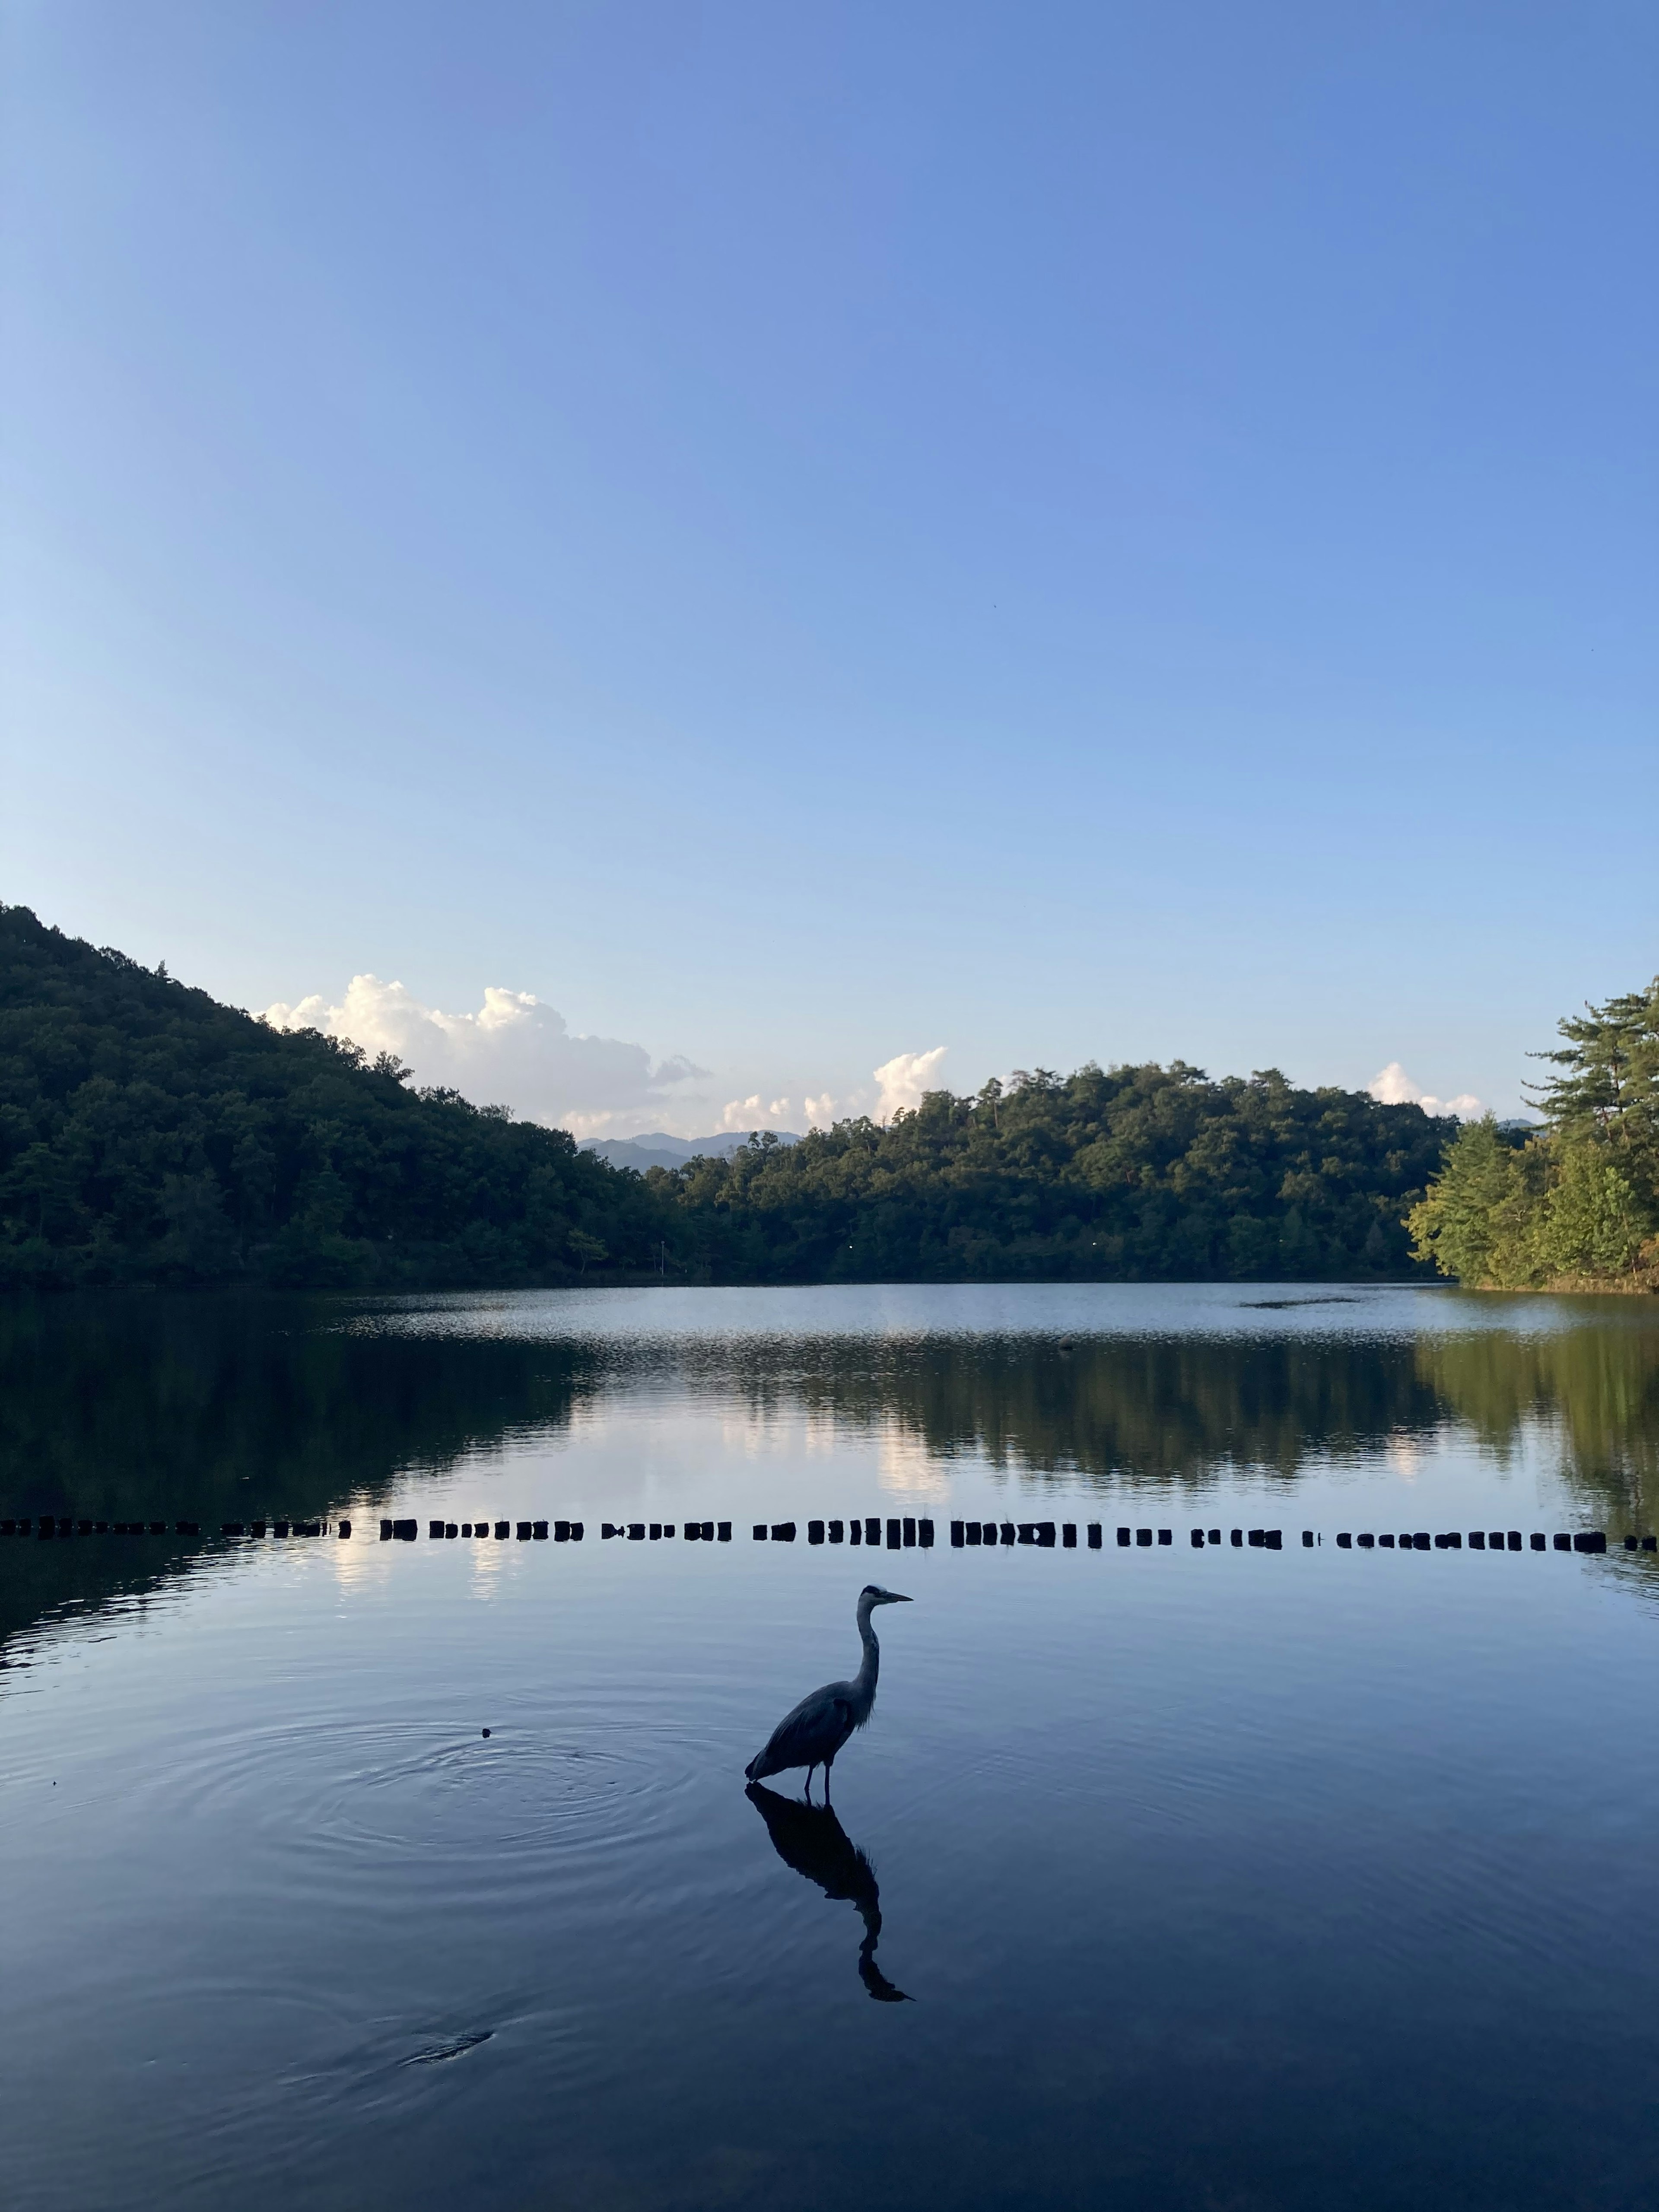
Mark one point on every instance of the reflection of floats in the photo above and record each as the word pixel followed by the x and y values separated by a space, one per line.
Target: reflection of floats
pixel 811 1840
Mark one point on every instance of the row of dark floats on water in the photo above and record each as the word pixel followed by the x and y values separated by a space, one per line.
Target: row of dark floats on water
pixel 901 1532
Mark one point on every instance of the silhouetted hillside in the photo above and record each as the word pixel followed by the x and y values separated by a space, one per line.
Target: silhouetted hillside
pixel 148 1133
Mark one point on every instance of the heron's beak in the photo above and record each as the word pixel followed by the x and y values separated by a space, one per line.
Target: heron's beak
pixel 896 1597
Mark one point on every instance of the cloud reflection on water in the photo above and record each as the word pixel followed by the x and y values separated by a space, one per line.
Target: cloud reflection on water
pixel 219 1408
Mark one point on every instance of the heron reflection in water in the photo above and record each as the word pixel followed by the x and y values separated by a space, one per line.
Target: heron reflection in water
pixel 810 1838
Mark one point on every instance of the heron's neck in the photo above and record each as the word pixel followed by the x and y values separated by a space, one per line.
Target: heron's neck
pixel 869 1667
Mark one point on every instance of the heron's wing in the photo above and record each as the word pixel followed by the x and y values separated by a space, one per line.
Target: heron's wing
pixel 820 1722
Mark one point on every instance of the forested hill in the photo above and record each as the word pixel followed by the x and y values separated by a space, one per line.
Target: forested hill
pixel 148 1133
pixel 1133 1174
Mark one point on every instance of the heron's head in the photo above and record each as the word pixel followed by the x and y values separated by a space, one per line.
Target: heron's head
pixel 872 1595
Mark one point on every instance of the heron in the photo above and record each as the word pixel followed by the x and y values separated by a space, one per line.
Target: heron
pixel 812 1734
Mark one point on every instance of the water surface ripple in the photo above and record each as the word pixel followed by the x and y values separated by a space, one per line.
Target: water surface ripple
pixel 1178 1880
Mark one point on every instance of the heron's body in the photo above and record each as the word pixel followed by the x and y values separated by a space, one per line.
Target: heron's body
pixel 816 1729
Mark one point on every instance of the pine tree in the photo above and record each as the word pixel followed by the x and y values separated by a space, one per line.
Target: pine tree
pixel 1608 1086
pixel 1578 1205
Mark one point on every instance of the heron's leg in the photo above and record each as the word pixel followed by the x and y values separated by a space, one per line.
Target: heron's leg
pixel 827 1763
pixel 809 1772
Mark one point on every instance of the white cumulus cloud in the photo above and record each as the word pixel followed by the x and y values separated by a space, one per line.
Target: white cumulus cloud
pixel 905 1078
pixel 756 1113
pixel 514 1052
pixel 899 1083
pixel 1393 1087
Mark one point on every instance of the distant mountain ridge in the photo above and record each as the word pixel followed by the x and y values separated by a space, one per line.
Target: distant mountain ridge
pixel 657 1149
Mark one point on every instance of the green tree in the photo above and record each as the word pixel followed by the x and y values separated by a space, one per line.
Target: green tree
pixel 1593 1224
pixel 1608 1086
pixel 584 1247
pixel 1576 1205
pixel 1478 1219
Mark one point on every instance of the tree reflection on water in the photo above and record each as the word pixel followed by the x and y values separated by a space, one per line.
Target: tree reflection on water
pixel 1592 1389
pixel 192 1406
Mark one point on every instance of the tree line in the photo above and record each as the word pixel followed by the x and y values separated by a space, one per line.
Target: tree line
pixel 148 1133
pixel 1108 1174
pixel 1572 1205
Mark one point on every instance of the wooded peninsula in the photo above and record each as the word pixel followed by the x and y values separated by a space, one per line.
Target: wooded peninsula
pixel 150 1134
pixel 1573 1205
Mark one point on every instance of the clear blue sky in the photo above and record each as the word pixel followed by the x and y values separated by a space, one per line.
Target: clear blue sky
pixel 800 535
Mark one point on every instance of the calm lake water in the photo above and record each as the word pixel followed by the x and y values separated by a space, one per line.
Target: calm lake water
pixel 1226 1879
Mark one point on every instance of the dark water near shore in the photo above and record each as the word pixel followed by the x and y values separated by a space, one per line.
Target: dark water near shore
pixel 1227 1879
